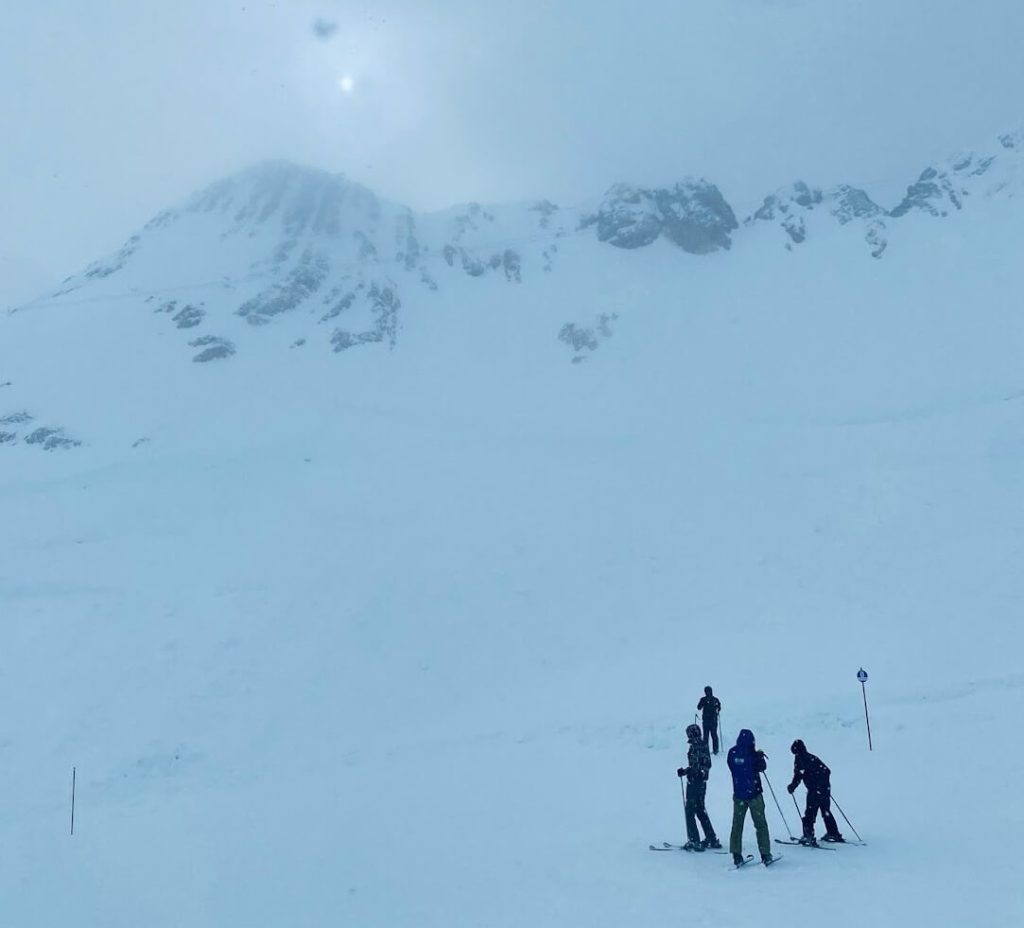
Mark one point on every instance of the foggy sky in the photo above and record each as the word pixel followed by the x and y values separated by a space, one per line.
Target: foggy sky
pixel 112 110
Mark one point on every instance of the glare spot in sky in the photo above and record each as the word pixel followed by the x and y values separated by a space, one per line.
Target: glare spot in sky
pixel 347 84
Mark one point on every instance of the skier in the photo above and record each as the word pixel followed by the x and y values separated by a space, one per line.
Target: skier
pixel 709 707
pixel 696 773
pixel 746 763
pixel 816 776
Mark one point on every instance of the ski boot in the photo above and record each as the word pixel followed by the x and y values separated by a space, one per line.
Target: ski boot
pixel 835 839
pixel 738 860
pixel 808 841
pixel 712 844
pixel 693 846
pixel 767 859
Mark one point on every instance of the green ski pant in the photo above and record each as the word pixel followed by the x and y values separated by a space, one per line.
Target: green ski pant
pixel 739 813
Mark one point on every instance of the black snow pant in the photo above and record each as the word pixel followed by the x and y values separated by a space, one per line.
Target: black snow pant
pixel 711 731
pixel 822 801
pixel 695 811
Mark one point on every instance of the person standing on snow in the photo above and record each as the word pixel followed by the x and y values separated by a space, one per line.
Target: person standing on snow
pixel 746 763
pixel 816 776
pixel 696 772
pixel 709 708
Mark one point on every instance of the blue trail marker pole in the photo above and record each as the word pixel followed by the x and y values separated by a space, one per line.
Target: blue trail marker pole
pixel 862 675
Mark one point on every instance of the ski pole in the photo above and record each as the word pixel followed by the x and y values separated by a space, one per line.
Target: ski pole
pixel 682 789
pixel 777 806
pixel 848 822
pixel 796 805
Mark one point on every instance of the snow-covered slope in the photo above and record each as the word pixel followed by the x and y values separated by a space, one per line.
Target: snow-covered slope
pixel 354 601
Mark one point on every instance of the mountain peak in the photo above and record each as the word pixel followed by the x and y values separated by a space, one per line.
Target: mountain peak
pixel 278 192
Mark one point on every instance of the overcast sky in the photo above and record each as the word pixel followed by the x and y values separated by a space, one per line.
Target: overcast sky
pixel 112 109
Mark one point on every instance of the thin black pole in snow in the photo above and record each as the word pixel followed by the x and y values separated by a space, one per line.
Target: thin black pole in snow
pixel 792 837
pixel 848 822
pixel 682 787
pixel 862 675
pixel 73 778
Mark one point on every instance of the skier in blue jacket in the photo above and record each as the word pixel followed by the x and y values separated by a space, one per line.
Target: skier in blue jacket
pixel 746 764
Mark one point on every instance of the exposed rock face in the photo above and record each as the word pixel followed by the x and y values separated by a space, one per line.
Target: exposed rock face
pixel 48 438
pixel 783 202
pixel 583 339
pixel 301 282
pixel 17 418
pixel 790 208
pixel 849 203
pixel 383 304
pixel 628 218
pixel 932 193
pixel 214 348
pixel 692 214
pixel 940 190
pixel 188 317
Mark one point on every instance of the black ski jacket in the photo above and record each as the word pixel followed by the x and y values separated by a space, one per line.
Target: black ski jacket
pixel 710 707
pixel 698 761
pixel 812 771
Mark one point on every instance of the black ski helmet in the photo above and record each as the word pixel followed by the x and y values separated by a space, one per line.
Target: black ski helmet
pixel 693 733
pixel 798 747
pixel 707 691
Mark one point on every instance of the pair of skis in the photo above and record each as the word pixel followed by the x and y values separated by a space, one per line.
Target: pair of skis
pixel 818 847
pixel 750 857
pixel 665 846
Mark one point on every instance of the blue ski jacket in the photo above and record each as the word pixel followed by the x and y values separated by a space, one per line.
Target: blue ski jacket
pixel 745 764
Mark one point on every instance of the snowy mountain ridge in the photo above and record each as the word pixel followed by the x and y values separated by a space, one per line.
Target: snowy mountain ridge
pixel 318 261
pixel 277 238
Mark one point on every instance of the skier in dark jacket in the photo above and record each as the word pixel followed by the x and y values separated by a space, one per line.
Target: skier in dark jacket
pixel 746 764
pixel 813 772
pixel 696 772
pixel 709 707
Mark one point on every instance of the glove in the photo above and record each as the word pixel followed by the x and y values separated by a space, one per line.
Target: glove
pixel 790 789
pixel 682 771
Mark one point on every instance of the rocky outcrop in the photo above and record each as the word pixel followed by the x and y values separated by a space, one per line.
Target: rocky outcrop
pixel 214 348
pixel 301 282
pixel 790 207
pixel 847 203
pixel 383 303
pixel 938 191
pixel 584 339
pixel 693 215
pixel 933 193
pixel 50 439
